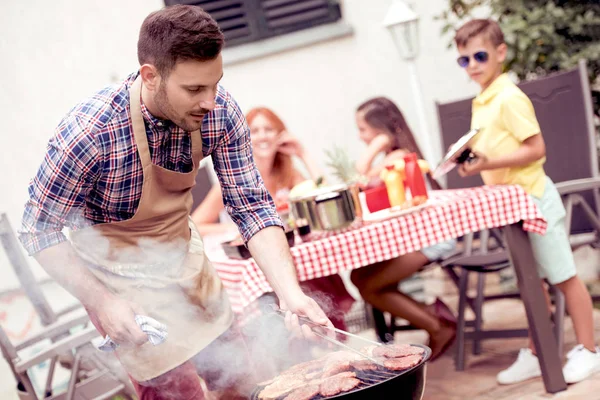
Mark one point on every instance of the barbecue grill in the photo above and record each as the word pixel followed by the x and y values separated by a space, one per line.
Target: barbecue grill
pixel 405 385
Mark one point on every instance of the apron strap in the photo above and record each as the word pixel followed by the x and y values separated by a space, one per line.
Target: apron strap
pixel 137 122
pixel 197 155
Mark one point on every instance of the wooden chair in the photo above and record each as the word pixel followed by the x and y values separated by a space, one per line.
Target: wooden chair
pixel 92 374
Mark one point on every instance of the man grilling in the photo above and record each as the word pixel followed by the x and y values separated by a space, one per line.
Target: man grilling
pixel 118 173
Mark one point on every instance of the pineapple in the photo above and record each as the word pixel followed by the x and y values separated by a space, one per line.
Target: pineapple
pixel 343 166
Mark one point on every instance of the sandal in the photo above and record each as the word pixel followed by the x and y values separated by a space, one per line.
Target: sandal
pixel 443 312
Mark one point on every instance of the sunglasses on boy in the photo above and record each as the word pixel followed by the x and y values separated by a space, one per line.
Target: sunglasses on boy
pixel 480 57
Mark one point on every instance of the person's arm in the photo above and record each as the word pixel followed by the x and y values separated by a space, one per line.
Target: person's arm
pixel 206 215
pixel 379 144
pixel 290 145
pixel 312 168
pixel 271 252
pixel 56 196
pixel 532 149
pixel 390 158
pixel 252 209
pixel 519 119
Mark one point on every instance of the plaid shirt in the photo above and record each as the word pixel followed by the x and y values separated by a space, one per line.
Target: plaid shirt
pixel 92 173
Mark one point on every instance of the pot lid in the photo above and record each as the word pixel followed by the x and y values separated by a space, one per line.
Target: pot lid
pixel 331 189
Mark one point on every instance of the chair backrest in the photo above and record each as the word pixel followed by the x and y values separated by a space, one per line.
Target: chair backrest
pixel 203 185
pixel 563 106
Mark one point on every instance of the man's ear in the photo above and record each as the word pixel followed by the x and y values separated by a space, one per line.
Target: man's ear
pixel 150 77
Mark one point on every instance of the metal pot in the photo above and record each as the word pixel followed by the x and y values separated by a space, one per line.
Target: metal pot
pixel 327 209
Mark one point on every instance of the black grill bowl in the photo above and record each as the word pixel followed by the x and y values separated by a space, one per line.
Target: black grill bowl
pixel 384 384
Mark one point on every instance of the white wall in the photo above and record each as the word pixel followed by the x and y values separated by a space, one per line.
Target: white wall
pixel 54 53
pixel 316 89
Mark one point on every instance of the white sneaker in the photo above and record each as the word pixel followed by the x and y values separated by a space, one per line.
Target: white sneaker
pixel 526 367
pixel 581 363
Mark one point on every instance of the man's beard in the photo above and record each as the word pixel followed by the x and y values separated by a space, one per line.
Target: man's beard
pixel 166 109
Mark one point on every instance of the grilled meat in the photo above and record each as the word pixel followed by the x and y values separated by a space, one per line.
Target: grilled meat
pixel 304 393
pixel 338 361
pixel 338 384
pixel 368 350
pixel 397 350
pixel 306 367
pixel 334 369
pixel 364 365
pixel 282 386
pixel 402 363
pixel 333 373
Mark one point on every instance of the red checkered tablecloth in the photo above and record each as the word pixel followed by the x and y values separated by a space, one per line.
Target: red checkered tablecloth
pixel 452 214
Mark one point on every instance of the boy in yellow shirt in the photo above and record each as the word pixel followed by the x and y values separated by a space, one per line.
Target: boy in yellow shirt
pixel 510 150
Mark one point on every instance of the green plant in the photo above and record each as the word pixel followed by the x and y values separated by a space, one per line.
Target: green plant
pixel 542 36
pixel 343 167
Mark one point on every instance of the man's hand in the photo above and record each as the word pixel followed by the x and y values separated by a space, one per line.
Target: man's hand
pixel 272 254
pixel 110 315
pixel 116 318
pixel 473 166
pixel 302 305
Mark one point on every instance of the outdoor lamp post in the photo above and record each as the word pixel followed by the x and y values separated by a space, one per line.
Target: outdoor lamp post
pixel 403 24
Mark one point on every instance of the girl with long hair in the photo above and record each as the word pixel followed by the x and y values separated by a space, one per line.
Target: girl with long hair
pixel 384 130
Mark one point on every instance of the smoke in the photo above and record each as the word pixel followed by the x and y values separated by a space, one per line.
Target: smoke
pixel 239 359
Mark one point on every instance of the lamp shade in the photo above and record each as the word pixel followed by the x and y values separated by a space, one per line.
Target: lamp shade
pixel 403 23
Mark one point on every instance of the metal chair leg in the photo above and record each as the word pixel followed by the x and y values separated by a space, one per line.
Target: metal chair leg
pixel 381 327
pixel 478 312
pixel 559 319
pixel 461 323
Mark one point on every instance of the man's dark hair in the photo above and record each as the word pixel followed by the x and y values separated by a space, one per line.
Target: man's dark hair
pixel 178 33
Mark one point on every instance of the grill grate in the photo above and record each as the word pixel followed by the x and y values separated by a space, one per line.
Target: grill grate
pixel 367 378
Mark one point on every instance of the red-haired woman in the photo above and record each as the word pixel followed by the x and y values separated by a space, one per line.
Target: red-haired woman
pixel 273 148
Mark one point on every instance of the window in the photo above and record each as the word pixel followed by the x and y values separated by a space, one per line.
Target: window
pixel 244 21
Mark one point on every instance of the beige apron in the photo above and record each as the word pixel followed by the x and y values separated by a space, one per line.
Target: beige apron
pixel 156 260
